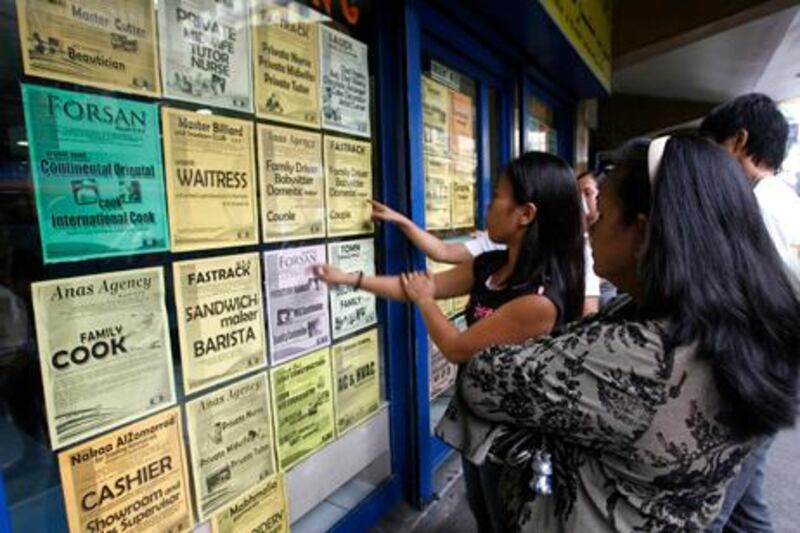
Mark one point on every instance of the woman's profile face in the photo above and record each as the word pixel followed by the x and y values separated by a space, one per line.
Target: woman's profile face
pixel 501 220
pixel 616 244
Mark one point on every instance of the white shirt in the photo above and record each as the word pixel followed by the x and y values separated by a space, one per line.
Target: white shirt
pixel 591 280
pixel 481 244
pixel 780 209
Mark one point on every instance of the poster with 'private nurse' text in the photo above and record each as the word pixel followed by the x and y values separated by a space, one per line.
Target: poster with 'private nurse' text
pixel 97 174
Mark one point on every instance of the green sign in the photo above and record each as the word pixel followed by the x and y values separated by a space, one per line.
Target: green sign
pixel 97 174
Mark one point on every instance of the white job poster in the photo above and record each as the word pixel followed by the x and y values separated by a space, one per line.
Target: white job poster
pixel 297 302
pixel 344 87
pixel 351 309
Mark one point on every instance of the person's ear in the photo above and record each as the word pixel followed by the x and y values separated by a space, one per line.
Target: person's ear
pixel 527 214
pixel 740 141
pixel 641 224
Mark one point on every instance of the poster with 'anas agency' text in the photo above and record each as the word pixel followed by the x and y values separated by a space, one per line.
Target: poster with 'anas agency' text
pixel 97 175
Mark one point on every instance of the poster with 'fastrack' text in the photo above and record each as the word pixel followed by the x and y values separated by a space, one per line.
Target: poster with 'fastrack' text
pixel 97 174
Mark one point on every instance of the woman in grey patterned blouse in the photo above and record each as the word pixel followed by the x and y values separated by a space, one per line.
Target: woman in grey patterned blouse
pixel 649 408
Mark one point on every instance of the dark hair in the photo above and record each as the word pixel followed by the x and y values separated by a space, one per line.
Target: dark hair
pixel 767 128
pixel 552 249
pixel 712 269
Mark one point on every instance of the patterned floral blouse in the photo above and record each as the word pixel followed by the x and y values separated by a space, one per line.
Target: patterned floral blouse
pixel 634 432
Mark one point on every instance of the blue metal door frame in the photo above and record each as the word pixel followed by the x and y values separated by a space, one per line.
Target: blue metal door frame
pixel 429 31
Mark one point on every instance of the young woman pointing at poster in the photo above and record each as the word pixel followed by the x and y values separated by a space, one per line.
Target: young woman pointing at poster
pixel 525 291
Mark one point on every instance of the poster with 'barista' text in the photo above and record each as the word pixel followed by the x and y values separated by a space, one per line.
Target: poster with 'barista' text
pixel 303 399
pixel 97 177
pixel 285 55
pixel 297 302
pixel 351 309
pixel 292 184
pixel 356 376
pixel 211 180
pixel 348 186
pixel 132 479
pixel 110 44
pixel 230 436
pixel 262 509
pixel 205 52
pixel 344 83
pixel 220 318
pixel 104 350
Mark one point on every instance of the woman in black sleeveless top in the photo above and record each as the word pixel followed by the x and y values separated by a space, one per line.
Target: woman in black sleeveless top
pixel 522 292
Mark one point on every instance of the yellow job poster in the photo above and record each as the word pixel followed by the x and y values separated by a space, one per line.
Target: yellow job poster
pixel 444 304
pixel 351 309
pixel 303 399
pixel 210 172
pixel 104 350
pixel 435 117
pixel 286 62
pixel 438 190
pixel 220 318
pixel 109 44
pixel 348 186
pixel 292 184
pixel 463 193
pixel 230 437
pixel 132 479
pixel 462 126
pixel 262 509
pixel 355 369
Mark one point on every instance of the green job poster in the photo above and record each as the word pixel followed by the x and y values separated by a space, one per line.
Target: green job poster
pixel 97 174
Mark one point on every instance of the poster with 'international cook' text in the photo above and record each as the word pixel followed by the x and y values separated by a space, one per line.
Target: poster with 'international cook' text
pixel 285 52
pixel 356 376
pixel 132 479
pixel 220 318
pixel 292 184
pixel 104 350
pixel 262 509
pixel 110 44
pixel 205 52
pixel 351 309
pixel 230 437
pixel 96 167
pixel 348 186
pixel 344 83
pixel 211 180
pixel 303 400
pixel 297 302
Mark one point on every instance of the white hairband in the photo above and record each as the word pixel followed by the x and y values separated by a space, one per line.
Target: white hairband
pixel 654 154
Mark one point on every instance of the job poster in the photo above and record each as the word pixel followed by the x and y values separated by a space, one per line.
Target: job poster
pixel 96 167
pixel 435 118
pixel 292 184
pixel 303 399
pixel 110 44
pixel 133 479
pixel 286 59
pixel 351 309
pixel 438 193
pixel 205 52
pixel 211 180
pixel 344 86
pixel 220 318
pixel 104 351
pixel 230 436
pixel 297 302
pixel 263 509
pixel 348 183
pixel 356 375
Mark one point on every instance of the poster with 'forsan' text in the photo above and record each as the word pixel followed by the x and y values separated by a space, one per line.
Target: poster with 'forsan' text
pixel 303 400
pixel 230 436
pixel 104 349
pixel 262 509
pixel 110 44
pixel 292 184
pixel 220 318
pixel 211 180
pixel 344 83
pixel 348 186
pixel 285 57
pixel 351 309
pixel 297 302
pixel 132 479
pixel 356 375
pixel 205 52
pixel 96 167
